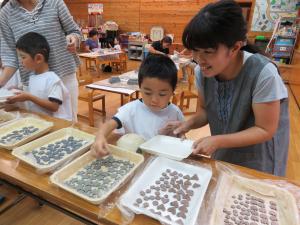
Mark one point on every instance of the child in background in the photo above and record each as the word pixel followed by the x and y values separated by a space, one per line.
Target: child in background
pixel 46 92
pixel 157 81
pixel 116 45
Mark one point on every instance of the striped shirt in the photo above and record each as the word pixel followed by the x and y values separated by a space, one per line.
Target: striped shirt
pixel 52 19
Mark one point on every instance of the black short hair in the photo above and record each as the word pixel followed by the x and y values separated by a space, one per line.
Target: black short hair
pixel 167 39
pixel 158 66
pixel 221 22
pixel 34 43
pixel 93 32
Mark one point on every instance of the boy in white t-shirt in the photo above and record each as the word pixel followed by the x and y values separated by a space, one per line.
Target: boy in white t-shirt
pixel 147 116
pixel 45 93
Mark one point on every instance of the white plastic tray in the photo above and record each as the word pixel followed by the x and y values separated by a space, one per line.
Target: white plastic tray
pixel 170 147
pixel 153 173
pixel 59 177
pixel 49 139
pixel 7 117
pixel 43 125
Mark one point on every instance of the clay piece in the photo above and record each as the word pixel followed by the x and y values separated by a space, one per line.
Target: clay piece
pixel 18 135
pixel 133 81
pixel 170 195
pixel 251 210
pixel 101 175
pixel 114 79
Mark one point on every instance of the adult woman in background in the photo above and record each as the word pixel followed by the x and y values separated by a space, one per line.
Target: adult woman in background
pixel 161 47
pixel 52 19
pixel 93 41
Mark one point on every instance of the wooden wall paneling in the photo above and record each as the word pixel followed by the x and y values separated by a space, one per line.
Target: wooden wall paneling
pixel 124 13
pixel 141 15
pixel 172 15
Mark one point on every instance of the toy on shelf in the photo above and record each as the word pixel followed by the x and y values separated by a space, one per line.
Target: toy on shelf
pixel 284 38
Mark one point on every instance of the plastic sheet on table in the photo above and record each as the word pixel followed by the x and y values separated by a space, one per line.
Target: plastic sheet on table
pixel 224 173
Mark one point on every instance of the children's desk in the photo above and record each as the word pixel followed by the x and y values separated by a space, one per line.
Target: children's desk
pixel 119 88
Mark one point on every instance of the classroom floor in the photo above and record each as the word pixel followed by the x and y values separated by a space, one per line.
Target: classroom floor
pixel 28 211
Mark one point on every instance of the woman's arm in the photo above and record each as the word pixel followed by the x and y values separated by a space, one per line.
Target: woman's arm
pixel 266 123
pixel 8 50
pixel 68 24
pixel 154 51
pixel 6 74
pixel 70 28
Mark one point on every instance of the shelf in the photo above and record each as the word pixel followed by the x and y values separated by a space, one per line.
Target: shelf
pixel 135 50
pixel 281 56
pixel 286 37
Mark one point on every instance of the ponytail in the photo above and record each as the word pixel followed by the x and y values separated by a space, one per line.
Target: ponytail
pixel 252 48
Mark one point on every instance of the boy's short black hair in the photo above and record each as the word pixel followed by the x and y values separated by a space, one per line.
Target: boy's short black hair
pixel 93 32
pixel 33 43
pixel 158 66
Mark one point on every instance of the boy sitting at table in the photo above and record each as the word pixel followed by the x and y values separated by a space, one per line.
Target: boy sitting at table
pixel 147 116
pixel 45 92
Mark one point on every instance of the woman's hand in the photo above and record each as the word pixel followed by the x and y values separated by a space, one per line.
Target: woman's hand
pixel 206 145
pixel 168 128
pixel 71 41
pixel 100 147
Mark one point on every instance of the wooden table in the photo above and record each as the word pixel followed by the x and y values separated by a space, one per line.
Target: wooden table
pixel 180 63
pixel 98 58
pixel 24 178
pixel 122 91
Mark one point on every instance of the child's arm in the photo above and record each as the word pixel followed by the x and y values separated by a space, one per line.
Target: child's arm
pixel 22 96
pixel 100 147
pixel 87 48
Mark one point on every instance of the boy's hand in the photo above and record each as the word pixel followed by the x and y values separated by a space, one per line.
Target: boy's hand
pixel 71 43
pixel 20 96
pixel 100 148
pixel 178 128
pixel 168 128
pixel 206 145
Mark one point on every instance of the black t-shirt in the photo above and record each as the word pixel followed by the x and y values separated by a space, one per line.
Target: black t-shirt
pixel 157 45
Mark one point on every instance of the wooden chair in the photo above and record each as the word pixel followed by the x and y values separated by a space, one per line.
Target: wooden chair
pixel 89 62
pixel 183 98
pixel 120 64
pixel 90 96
